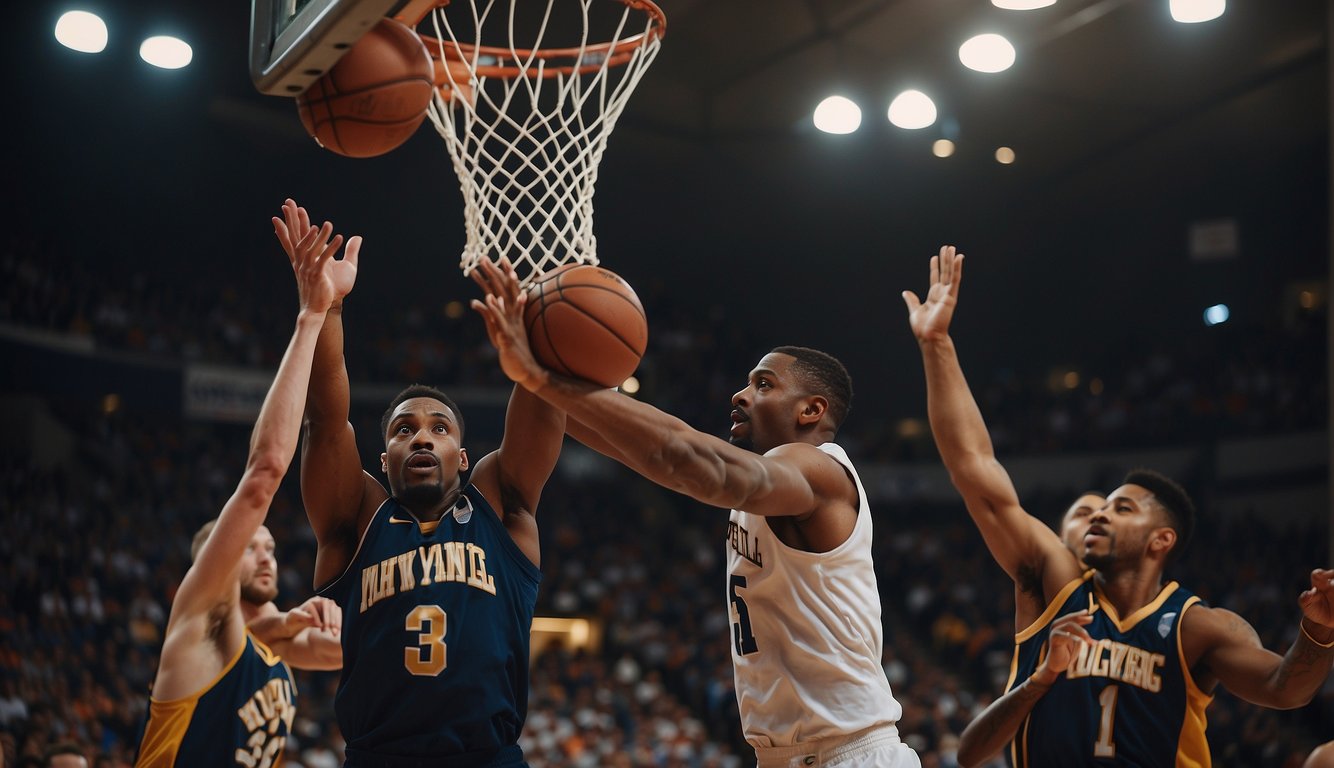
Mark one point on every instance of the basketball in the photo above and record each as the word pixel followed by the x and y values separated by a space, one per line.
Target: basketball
pixel 375 97
pixel 586 322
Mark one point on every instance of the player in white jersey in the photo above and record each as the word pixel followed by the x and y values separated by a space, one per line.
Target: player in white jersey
pixel 806 632
pixel 807 636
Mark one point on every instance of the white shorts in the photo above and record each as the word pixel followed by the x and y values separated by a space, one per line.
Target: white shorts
pixel 877 747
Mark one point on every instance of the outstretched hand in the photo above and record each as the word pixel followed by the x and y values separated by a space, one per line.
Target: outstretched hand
pixel 502 309
pixel 930 319
pixel 1317 603
pixel 321 279
pixel 1067 634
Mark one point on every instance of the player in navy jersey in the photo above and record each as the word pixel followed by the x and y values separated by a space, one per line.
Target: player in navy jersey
pixel 807 637
pixel 221 697
pixel 438 575
pixel 1143 655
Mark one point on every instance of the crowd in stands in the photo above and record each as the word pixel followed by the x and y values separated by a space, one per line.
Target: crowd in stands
pixel 1233 381
pixel 100 538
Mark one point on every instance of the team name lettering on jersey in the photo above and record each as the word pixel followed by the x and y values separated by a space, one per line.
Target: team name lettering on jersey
pixel 741 542
pixel 1118 661
pixel 450 561
pixel 262 714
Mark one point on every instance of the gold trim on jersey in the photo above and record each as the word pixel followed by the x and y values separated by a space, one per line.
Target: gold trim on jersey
pixel 1192 739
pixel 1052 607
pixel 1139 615
pixel 168 720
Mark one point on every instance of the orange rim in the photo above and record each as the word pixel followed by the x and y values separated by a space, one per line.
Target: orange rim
pixel 616 53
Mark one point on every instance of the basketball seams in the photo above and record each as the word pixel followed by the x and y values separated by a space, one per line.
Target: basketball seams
pixel 610 331
pixel 375 97
pixel 591 334
pixel 561 288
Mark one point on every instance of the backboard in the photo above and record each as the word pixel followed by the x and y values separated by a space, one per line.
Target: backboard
pixel 294 42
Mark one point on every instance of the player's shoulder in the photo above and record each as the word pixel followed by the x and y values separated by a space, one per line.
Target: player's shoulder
pixel 1205 628
pixel 1321 757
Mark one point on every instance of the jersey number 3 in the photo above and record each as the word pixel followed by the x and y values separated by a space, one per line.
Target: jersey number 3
pixel 427 658
pixel 742 635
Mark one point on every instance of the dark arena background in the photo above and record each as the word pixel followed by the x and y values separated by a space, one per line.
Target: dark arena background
pixel 1148 284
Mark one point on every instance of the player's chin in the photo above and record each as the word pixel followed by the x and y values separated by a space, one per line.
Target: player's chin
pixel 420 491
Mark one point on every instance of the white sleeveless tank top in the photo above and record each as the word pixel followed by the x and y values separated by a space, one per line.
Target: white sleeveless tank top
pixel 806 632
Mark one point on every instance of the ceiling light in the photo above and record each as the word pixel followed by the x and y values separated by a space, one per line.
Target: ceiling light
pixel 166 52
pixel 942 148
pixel 837 114
pixel 912 110
pixel 1195 11
pixel 1022 5
pixel 1217 314
pixel 82 31
pixel 987 53
pixel 1004 155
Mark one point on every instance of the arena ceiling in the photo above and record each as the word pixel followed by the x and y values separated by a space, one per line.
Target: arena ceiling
pixel 1128 130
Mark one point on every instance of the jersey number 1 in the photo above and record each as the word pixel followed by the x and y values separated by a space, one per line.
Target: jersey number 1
pixel 742 635
pixel 427 658
pixel 1104 747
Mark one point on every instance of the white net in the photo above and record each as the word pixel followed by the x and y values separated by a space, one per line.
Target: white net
pixel 526 123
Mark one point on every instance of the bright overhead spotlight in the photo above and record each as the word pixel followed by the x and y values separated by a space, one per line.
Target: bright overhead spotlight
pixel 912 110
pixel 1217 314
pixel 1004 155
pixel 1022 5
pixel 166 52
pixel 1195 11
pixel 837 114
pixel 942 148
pixel 987 53
pixel 82 31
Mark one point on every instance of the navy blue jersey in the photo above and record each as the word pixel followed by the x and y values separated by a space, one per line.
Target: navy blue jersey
pixel 435 639
pixel 1129 701
pixel 241 719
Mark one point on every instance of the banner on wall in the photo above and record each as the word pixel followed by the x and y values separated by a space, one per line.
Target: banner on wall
pixel 217 393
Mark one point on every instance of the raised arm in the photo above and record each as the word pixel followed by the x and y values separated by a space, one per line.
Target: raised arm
pixel 338 495
pixel 1020 543
pixel 211 584
pixel 990 731
pixel 789 480
pixel 1229 650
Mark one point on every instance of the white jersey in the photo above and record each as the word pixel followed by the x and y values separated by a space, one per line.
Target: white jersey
pixel 806 632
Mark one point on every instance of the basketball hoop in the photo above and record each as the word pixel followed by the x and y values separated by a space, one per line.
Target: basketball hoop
pixel 525 116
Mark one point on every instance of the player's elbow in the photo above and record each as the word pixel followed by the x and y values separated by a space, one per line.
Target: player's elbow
pixel 969 753
pixel 1291 699
pixel 263 475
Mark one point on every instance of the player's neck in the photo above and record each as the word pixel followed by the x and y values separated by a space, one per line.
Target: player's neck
pixel 1130 589
pixel 433 513
pixel 251 611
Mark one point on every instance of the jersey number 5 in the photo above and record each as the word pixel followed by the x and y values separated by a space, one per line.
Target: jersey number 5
pixel 427 658
pixel 741 632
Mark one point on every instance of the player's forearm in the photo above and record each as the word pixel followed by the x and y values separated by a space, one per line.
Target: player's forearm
pixel 956 421
pixel 998 723
pixel 277 429
pixel 271 629
pixel 313 649
pixel 657 445
pixel 329 399
pixel 1305 666
pixel 531 445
